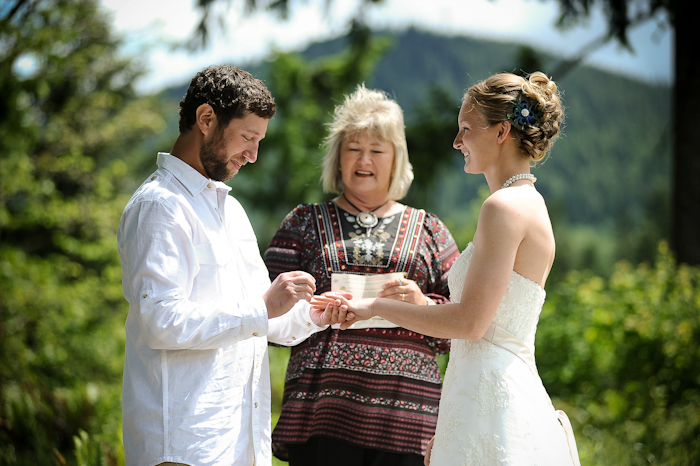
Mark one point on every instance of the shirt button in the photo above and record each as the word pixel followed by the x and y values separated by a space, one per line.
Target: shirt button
pixel 256 404
pixel 255 334
pixel 153 178
pixel 209 185
pixel 145 296
pixel 294 338
pixel 308 324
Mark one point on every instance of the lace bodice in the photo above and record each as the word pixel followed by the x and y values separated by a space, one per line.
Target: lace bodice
pixel 519 310
pixel 493 409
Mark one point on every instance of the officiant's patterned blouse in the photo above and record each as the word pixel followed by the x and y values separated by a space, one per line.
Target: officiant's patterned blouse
pixel 369 393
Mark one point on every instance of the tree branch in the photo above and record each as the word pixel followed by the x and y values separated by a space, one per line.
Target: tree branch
pixel 201 34
pixel 565 66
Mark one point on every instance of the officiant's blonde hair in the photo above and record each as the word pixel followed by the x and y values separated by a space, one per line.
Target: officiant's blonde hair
pixel 371 112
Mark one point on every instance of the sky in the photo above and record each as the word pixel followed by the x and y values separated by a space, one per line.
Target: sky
pixel 151 27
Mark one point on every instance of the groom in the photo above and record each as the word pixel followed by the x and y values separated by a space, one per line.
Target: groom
pixel 201 306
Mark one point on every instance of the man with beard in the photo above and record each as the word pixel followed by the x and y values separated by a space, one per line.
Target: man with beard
pixel 201 306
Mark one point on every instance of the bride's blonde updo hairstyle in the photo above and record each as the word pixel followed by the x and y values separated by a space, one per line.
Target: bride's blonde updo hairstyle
pixel 496 97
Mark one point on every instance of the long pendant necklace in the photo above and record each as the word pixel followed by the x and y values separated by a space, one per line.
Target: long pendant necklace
pixel 365 219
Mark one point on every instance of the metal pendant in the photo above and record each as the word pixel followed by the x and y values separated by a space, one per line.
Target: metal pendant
pixel 366 219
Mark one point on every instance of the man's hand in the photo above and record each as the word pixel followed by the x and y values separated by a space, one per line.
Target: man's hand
pixel 286 290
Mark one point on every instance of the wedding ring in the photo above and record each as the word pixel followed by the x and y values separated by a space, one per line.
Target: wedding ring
pixel 403 296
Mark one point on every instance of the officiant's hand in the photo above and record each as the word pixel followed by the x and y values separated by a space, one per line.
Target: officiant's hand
pixel 403 289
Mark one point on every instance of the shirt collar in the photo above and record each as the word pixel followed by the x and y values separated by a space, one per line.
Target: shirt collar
pixel 194 181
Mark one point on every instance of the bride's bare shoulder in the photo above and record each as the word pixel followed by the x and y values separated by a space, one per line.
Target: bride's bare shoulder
pixel 501 214
pixel 513 200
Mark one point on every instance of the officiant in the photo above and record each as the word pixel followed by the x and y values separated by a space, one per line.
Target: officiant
pixel 379 380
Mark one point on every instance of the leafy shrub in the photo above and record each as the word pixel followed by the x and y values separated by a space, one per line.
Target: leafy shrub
pixel 625 355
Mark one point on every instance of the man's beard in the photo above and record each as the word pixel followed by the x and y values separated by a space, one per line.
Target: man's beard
pixel 214 159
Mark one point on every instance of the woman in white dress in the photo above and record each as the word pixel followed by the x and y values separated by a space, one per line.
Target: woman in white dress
pixel 494 409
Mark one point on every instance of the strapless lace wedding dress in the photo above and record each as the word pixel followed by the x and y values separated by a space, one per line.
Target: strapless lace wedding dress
pixel 493 409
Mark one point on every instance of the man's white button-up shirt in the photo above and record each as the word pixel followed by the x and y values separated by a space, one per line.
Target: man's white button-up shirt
pixel 196 375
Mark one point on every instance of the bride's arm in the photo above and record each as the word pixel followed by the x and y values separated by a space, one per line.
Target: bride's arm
pixel 498 235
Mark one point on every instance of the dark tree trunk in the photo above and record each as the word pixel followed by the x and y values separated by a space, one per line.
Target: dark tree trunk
pixel 686 177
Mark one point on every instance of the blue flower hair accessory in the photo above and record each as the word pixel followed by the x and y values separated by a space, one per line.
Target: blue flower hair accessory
pixel 523 114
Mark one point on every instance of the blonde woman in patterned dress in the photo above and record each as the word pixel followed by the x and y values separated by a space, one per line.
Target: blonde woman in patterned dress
pixel 494 408
pixel 380 381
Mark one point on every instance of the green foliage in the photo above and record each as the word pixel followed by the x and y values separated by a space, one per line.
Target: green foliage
pixel 428 133
pixel 92 452
pixel 584 247
pixel 625 355
pixel 68 125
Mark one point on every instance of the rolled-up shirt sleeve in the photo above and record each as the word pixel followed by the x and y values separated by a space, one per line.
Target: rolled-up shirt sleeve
pixel 162 264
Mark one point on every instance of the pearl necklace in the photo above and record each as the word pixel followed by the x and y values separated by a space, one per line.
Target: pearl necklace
pixel 521 176
pixel 365 219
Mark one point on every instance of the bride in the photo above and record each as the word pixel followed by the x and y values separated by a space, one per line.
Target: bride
pixel 494 408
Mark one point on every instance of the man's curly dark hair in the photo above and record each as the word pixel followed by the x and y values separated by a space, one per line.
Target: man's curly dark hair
pixel 232 93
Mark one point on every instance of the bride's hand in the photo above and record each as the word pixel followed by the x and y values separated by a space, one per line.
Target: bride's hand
pixel 320 302
pixel 357 309
pixel 333 313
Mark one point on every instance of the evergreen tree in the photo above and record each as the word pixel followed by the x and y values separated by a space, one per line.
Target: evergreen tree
pixel 69 125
